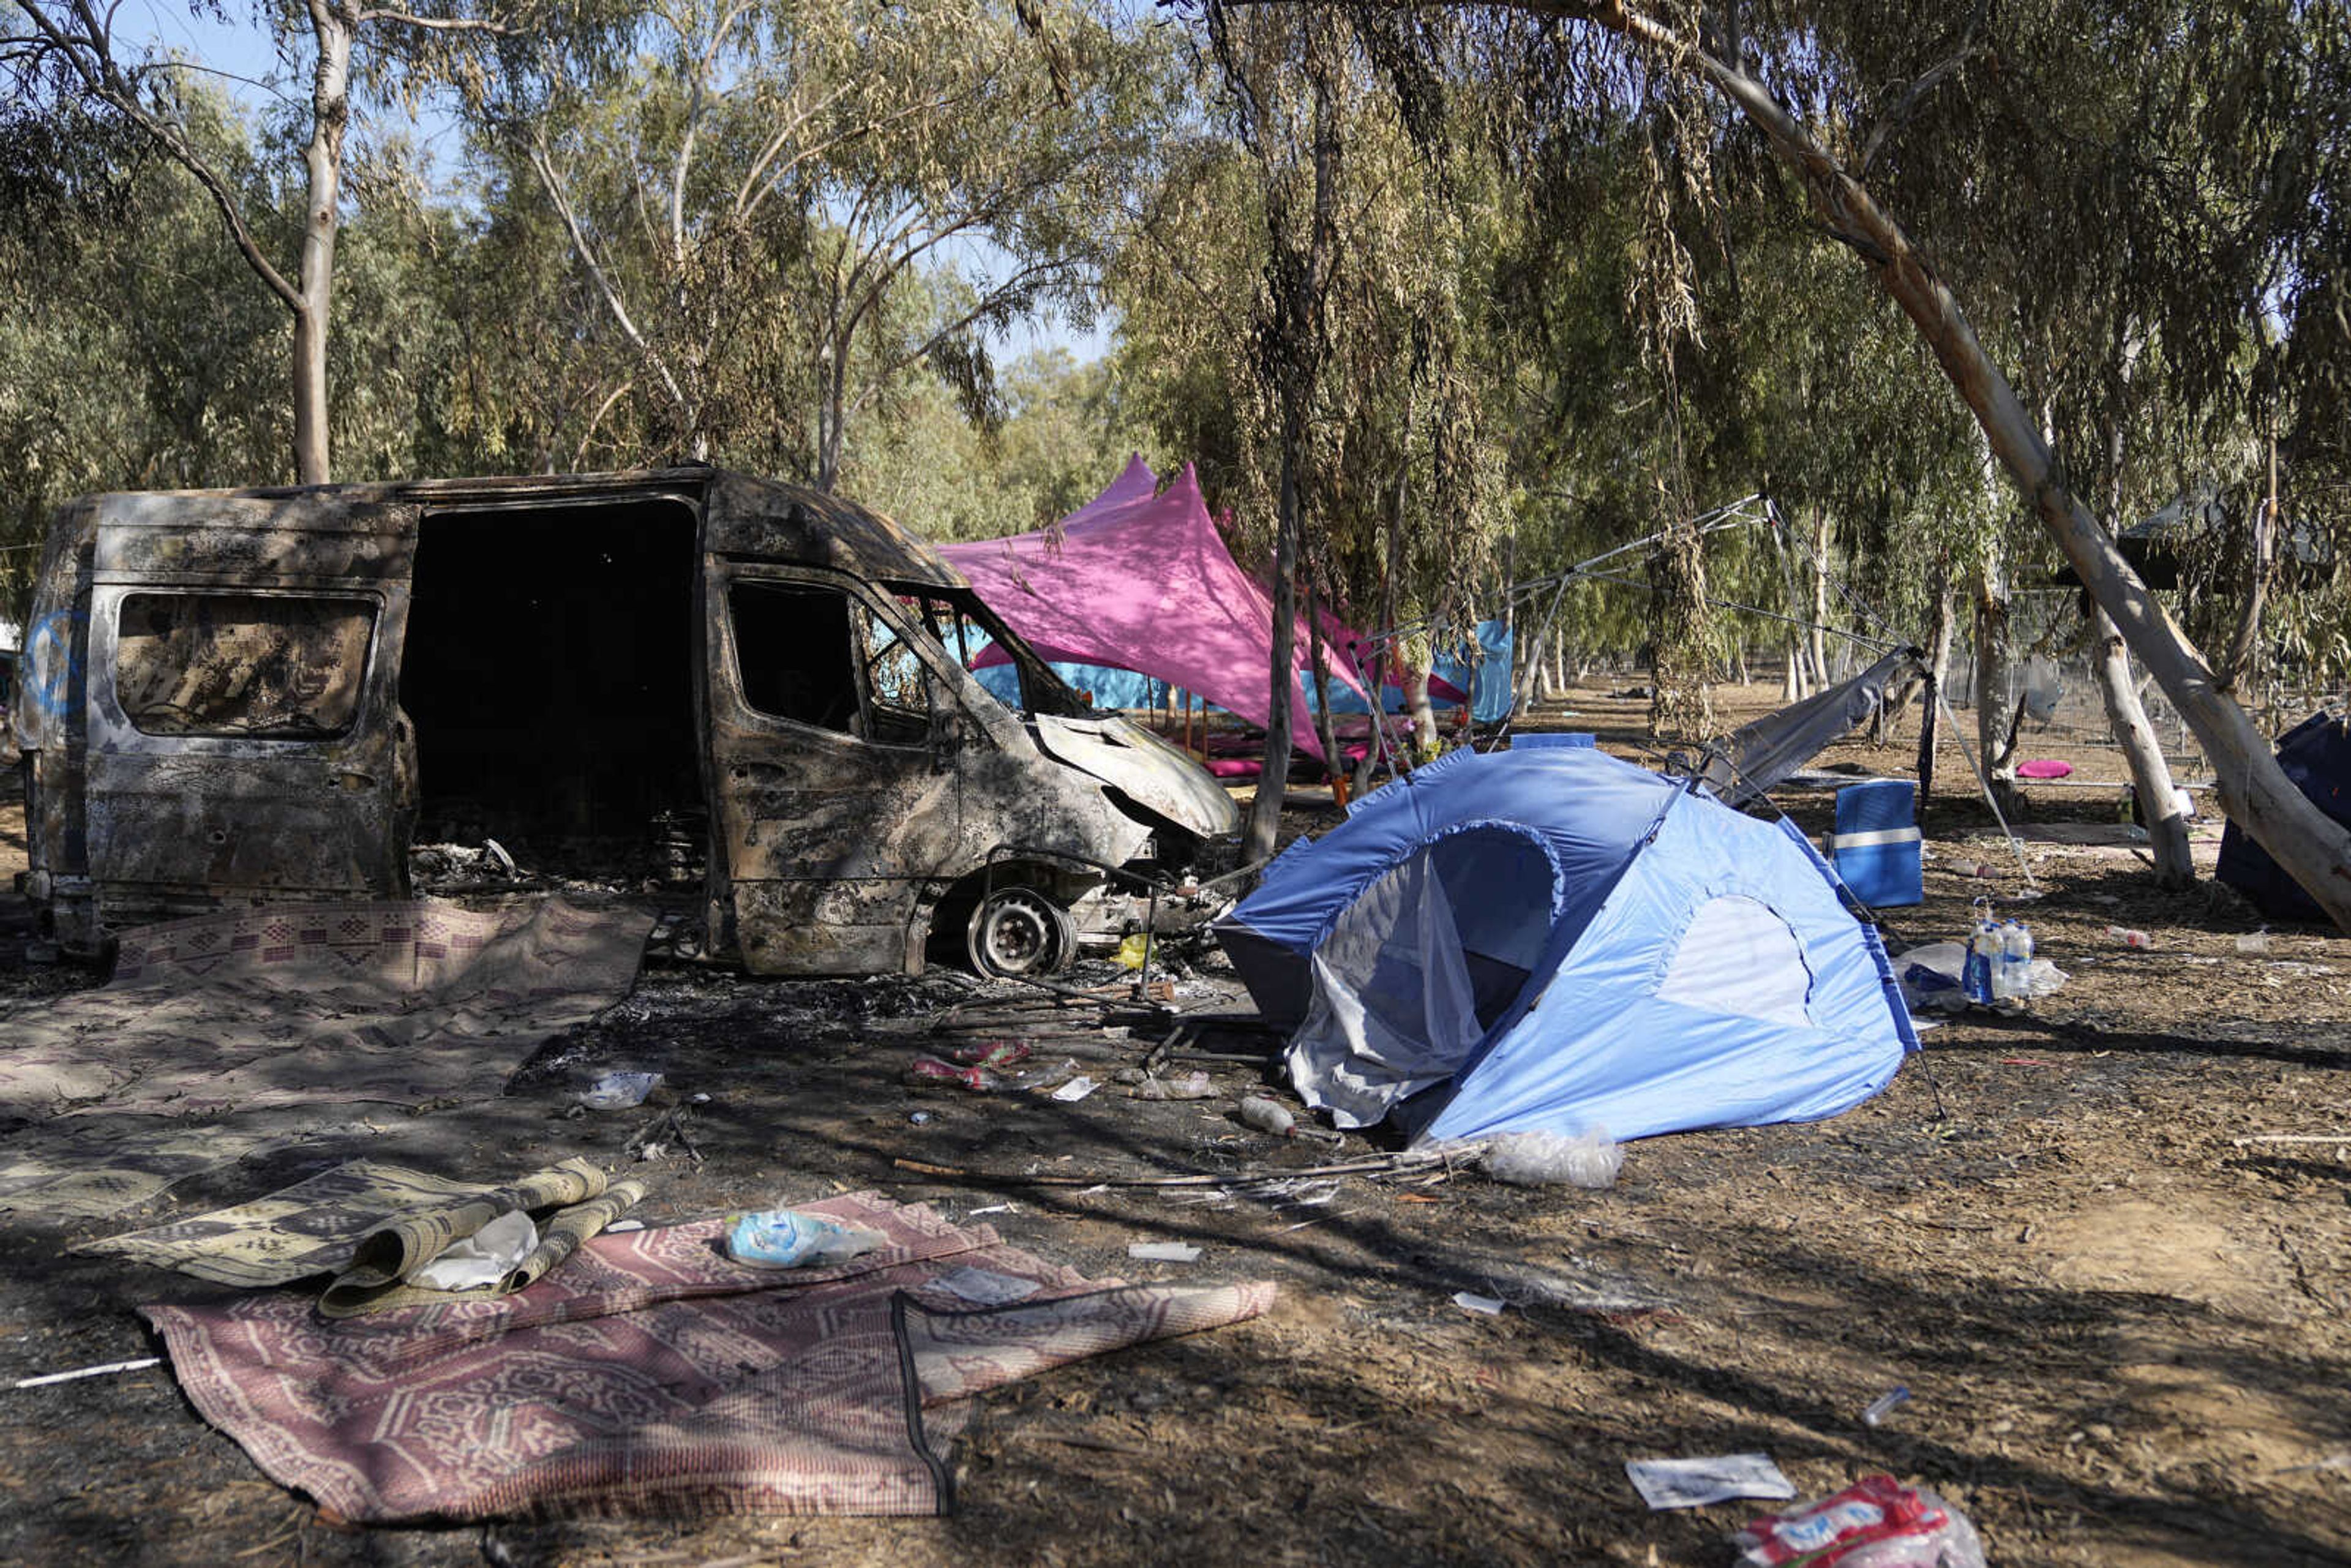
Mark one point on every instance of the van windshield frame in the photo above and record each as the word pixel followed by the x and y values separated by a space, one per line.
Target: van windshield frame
pixel 1042 691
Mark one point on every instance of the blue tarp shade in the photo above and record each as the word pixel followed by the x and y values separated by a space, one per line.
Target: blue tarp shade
pixel 1489 684
pixel 2316 755
pixel 1554 939
pixel 1108 688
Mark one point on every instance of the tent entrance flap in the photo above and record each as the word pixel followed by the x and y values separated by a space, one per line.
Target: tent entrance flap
pixel 1414 972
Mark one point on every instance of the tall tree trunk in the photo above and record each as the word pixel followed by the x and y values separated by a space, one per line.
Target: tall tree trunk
pixel 322 163
pixel 1817 634
pixel 2165 809
pixel 1298 305
pixel 1938 666
pixel 1265 812
pixel 1325 728
pixel 2237 666
pixel 1680 631
pixel 1796 688
pixel 1417 709
pixel 831 413
pixel 1995 705
pixel 1389 655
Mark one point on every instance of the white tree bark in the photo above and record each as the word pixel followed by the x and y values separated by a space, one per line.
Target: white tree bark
pixel 2164 807
pixel 1995 703
pixel 334 25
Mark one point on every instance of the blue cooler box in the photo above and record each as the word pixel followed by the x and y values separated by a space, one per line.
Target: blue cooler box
pixel 1876 845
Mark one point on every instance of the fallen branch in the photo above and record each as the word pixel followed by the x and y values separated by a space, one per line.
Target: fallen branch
pixel 2291 1138
pixel 1375 1165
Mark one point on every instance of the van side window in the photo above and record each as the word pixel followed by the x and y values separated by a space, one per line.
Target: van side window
pixel 245 665
pixel 900 684
pixel 792 653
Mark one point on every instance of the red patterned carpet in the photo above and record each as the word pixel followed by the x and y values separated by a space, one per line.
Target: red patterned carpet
pixel 654 1375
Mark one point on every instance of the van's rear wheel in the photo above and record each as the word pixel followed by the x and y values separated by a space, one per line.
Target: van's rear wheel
pixel 1020 930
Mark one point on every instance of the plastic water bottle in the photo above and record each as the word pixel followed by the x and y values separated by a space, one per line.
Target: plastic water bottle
pixel 1983 957
pixel 2013 982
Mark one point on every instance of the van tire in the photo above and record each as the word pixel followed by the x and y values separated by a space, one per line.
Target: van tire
pixel 1018 931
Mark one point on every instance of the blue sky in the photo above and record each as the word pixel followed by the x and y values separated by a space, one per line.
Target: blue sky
pixel 240 55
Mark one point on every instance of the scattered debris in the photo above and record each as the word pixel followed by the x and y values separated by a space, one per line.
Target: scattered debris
pixel 929 1070
pixel 1876 1523
pixel 1693 1483
pixel 795 1238
pixel 1193 1085
pixel 1547 1159
pixel 1470 1301
pixel 997 1053
pixel 1879 1408
pixel 620 1091
pixel 986 1287
pixel 1267 1117
pixel 1075 1090
pixel 1163 1251
pixel 81 1372
pixel 478 1262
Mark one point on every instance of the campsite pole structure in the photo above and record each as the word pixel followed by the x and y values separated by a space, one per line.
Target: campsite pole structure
pixel 2310 847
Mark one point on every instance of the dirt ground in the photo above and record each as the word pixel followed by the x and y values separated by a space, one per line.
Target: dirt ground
pixel 2123 1325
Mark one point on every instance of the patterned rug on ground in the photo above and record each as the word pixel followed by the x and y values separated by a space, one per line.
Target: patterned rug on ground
pixel 652 1374
pixel 286 1006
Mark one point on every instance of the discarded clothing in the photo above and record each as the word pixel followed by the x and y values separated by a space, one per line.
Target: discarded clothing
pixel 373 1224
pixel 656 1376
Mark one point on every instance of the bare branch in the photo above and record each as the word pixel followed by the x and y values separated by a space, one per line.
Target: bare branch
pixel 579 453
pixel 88 54
pixel 439 23
pixel 553 184
pixel 1916 91
pixel 995 299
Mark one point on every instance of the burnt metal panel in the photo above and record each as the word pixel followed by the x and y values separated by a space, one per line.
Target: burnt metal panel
pixel 312 537
pixel 239 698
pixel 768 521
pixel 825 841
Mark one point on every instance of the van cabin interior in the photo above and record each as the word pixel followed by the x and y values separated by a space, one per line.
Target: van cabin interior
pixel 549 674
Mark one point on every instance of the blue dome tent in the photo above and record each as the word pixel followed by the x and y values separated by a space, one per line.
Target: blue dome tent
pixel 1550 939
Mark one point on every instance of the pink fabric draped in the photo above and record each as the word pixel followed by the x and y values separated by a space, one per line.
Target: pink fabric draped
pixel 1143 581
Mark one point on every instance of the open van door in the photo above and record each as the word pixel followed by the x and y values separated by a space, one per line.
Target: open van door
pixel 244 737
pixel 835 770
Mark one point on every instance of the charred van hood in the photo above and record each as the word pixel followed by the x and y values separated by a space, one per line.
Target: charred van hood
pixel 1148 772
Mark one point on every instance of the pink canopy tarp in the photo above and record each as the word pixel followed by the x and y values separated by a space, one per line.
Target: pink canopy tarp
pixel 1141 580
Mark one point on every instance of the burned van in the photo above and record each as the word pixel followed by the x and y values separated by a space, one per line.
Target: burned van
pixel 753 690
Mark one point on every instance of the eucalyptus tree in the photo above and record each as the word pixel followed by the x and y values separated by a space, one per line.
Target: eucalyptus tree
pixel 758 193
pixel 1830 61
pixel 68 54
pixel 1303 293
